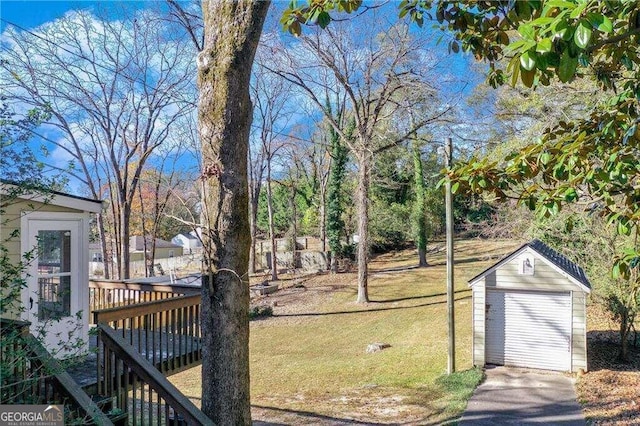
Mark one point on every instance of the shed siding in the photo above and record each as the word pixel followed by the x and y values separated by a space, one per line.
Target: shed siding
pixel 479 302
pixel 579 332
pixel 10 223
pixel 546 277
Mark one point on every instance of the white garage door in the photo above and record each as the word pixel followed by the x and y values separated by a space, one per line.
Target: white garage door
pixel 528 329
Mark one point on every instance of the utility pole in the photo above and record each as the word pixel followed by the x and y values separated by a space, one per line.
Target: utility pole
pixel 451 364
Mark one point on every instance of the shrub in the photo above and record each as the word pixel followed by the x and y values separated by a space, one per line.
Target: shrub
pixel 260 311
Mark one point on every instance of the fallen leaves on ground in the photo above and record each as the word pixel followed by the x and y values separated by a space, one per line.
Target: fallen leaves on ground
pixel 610 391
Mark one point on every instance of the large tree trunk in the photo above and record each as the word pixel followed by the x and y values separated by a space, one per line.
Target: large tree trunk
pixel 253 226
pixel 419 207
pixel 232 31
pixel 294 227
pixel 625 328
pixel 323 225
pixel 362 199
pixel 106 260
pixel 272 234
pixel 126 234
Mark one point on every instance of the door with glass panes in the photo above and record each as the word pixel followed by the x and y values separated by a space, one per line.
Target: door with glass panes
pixel 51 300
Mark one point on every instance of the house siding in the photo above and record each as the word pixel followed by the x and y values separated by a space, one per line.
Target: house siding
pixel 160 253
pixel 546 277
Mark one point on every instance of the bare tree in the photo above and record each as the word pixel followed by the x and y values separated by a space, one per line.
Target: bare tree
pixel 232 31
pixel 113 88
pixel 371 68
pixel 157 187
pixel 270 94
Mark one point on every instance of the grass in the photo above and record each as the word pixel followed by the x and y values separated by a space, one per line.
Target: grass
pixel 309 363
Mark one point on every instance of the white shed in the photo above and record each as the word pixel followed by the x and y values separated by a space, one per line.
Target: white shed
pixel 51 229
pixel 529 310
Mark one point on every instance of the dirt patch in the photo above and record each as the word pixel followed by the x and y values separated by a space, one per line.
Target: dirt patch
pixel 305 293
pixel 365 406
pixel 610 391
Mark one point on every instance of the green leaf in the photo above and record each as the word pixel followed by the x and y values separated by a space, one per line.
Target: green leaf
pixel 323 19
pixel 531 203
pixel 582 36
pixel 570 194
pixel 515 74
pixel 545 157
pixel 544 45
pixel 523 9
pixel 600 22
pixel 542 21
pixel 623 228
pixel 578 10
pixel 561 30
pixel 527 31
pixel 528 60
pixel 542 63
pixel 615 271
pixel 627 62
pixel 561 4
pixel 568 226
pixel 454 187
pixel 313 17
pixel 567 67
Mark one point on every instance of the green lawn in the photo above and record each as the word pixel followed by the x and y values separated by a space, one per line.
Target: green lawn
pixel 308 361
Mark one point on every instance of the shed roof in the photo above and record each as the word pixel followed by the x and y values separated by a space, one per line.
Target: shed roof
pixel 571 269
pixel 136 243
pixel 56 198
pixel 187 236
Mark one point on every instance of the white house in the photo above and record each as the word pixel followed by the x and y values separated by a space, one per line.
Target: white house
pixel 188 241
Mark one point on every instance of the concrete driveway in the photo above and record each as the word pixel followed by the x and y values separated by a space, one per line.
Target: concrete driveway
pixel 520 396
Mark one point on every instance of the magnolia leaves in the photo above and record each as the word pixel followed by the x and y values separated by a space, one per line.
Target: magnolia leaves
pixel 314 13
pixel 557 41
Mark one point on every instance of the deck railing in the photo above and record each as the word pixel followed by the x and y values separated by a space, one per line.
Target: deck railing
pixel 30 375
pixel 147 332
pixel 165 332
pixel 139 388
pixel 111 294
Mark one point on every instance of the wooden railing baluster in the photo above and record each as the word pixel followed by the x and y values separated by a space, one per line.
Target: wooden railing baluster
pixel 36 377
pixel 150 382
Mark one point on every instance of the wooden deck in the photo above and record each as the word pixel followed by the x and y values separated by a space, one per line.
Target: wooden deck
pixel 142 333
pixel 177 352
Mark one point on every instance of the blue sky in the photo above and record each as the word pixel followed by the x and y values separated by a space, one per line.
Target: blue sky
pixel 31 13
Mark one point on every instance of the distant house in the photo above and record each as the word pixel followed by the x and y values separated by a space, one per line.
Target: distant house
pixel 164 249
pixel 188 241
pixel 95 252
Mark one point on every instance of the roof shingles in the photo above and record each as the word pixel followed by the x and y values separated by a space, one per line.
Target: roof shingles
pixel 560 261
